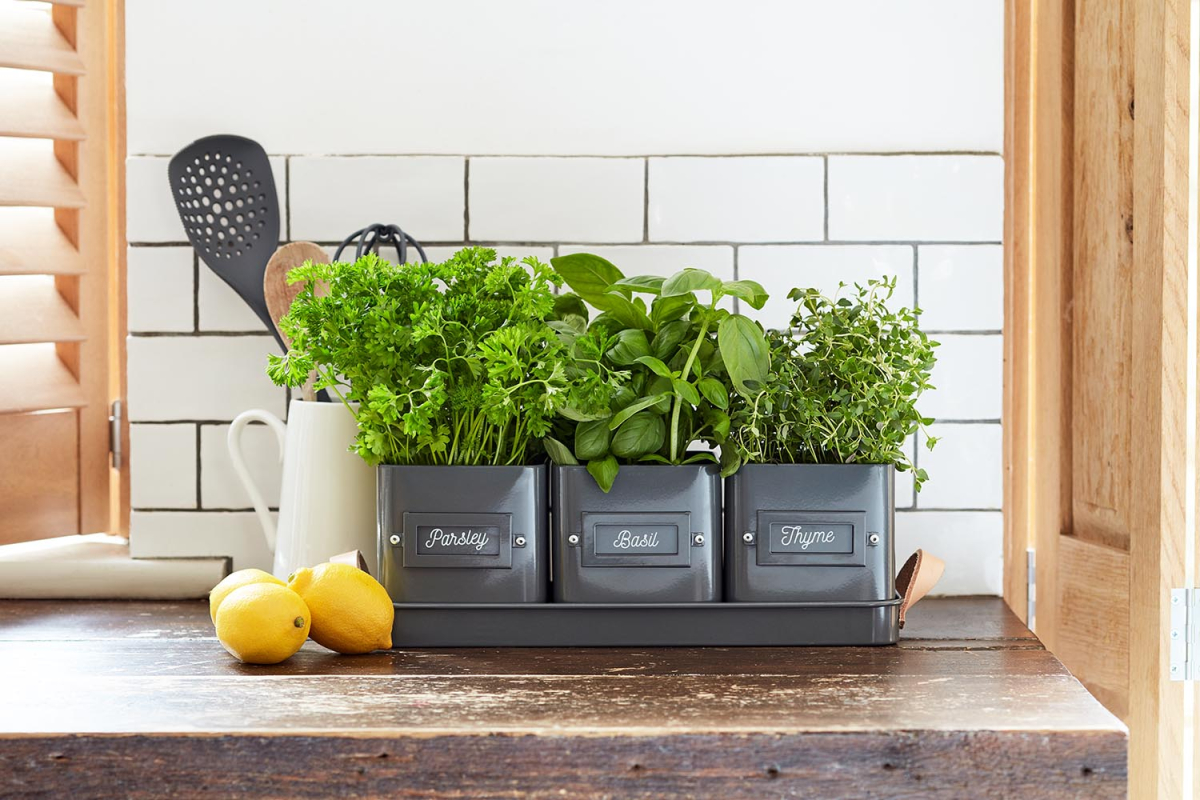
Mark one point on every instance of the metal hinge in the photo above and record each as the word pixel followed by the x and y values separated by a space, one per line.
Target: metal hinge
pixel 1185 634
pixel 1030 587
pixel 114 433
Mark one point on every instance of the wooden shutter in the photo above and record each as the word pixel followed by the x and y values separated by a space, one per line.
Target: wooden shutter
pixel 1099 452
pixel 60 247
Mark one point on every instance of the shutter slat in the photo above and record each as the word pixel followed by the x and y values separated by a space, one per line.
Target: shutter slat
pixel 75 3
pixel 29 40
pixel 30 107
pixel 38 380
pixel 31 243
pixel 32 176
pixel 32 310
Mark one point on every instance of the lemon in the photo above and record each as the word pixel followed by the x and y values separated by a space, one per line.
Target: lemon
pixel 243 577
pixel 262 623
pixel 351 612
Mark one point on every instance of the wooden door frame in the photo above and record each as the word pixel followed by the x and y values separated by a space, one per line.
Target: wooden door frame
pixel 1038 260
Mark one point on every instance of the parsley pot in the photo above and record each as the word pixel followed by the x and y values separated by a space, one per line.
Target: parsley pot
pixel 654 538
pixel 454 534
pixel 800 533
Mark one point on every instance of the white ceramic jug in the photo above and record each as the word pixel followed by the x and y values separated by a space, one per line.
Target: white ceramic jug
pixel 327 498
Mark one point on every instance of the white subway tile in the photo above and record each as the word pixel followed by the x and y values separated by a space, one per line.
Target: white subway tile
pixel 200 378
pixel 221 309
pixel 557 199
pixel 661 259
pixel 970 542
pixel 780 268
pixel 160 289
pixel 961 287
pixel 332 196
pixel 191 534
pixel 918 198
pixel 162 466
pixel 759 199
pixel 150 208
pixel 965 467
pixel 219 484
pixel 673 76
pixel 968 377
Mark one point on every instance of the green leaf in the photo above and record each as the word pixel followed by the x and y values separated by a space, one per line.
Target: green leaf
pixel 690 280
pixel 576 415
pixel 591 439
pixel 750 291
pixel 631 345
pixel 568 305
pixel 696 458
pixel 622 308
pixel 655 458
pixel 640 434
pixel 730 461
pixel 666 309
pixel 633 408
pixel 669 337
pixel 650 284
pixel 715 392
pixel 589 275
pixel 656 366
pixel 604 471
pixel 559 453
pixel 686 391
pixel 719 422
pixel 744 351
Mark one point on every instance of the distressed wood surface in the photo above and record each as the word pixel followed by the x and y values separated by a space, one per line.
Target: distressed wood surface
pixel 139 700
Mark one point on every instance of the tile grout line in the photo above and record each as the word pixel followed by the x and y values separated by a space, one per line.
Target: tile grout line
pixel 645 200
pixel 195 293
pixel 668 243
pixel 466 200
pixel 627 156
pixel 287 193
pixel 199 494
pixel 825 161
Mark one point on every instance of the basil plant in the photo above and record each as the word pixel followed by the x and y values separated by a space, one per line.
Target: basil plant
pixel 651 374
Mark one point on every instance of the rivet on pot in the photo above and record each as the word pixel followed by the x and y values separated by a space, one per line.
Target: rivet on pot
pixel 573 539
pixel 748 537
pixel 873 538
pixel 394 538
pixel 698 539
pixel 519 541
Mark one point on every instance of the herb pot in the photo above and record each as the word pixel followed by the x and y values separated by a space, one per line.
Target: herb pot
pixel 463 534
pixel 810 533
pixel 654 538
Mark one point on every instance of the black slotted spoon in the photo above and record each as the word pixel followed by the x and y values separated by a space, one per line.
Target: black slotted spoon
pixel 225 194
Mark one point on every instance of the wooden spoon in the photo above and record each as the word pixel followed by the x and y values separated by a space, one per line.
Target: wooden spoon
pixel 280 295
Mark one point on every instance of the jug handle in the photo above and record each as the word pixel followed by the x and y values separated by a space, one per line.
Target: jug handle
pixel 234 442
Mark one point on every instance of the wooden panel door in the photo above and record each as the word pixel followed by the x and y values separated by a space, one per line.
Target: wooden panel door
pixel 61 153
pixel 1098 330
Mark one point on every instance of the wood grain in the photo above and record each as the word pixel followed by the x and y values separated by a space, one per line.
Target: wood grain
pixel 903 766
pixel 39 478
pixel 32 310
pixel 29 40
pixel 139 700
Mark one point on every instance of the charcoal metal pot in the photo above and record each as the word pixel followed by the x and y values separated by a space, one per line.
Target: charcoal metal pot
pixel 655 538
pixel 464 534
pixel 810 533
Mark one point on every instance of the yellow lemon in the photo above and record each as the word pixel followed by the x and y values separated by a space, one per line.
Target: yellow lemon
pixel 263 623
pixel 236 580
pixel 351 612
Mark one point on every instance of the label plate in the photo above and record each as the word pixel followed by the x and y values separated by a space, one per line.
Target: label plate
pixel 458 540
pixel 812 537
pixel 658 540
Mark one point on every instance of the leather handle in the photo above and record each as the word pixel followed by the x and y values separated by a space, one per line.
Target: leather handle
pixel 917 577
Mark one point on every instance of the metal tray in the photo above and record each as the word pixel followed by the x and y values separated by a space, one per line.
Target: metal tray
pixel 646 625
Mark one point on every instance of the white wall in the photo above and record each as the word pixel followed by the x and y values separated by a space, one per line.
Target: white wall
pixel 823 142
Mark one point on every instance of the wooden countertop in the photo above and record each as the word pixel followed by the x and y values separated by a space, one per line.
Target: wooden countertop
pixel 138 699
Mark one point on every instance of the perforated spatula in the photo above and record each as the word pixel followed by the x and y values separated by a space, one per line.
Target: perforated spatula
pixel 225 194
